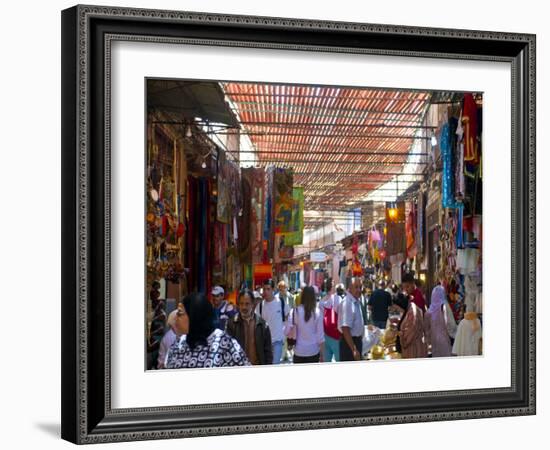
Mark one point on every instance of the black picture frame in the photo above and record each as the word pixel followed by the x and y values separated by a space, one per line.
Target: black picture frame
pixel 87 416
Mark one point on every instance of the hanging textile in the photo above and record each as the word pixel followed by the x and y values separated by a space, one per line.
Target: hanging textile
pixel 202 233
pixel 234 182
pixel 282 200
pixel 356 268
pixel 447 182
pixel 420 224
pixel 296 234
pixel 319 278
pixel 268 232
pixel 396 241
pixel 470 123
pixel 460 187
pixel 312 278
pixel 223 205
pixel 335 269
pixel 257 202
pixel 410 230
pixel 191 252
pixel 262 272
pixel 244 219
pixel 284 252
pixel 219 254
pixel 459 230
pixel 248 276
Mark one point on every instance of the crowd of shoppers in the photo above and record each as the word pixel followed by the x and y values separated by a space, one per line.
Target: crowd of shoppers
pixel 276 326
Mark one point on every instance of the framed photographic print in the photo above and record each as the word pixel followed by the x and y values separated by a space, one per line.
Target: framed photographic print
pixel 338 216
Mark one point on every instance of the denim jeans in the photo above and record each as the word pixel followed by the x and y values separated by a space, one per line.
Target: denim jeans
pixel 330 349
pixel 277 351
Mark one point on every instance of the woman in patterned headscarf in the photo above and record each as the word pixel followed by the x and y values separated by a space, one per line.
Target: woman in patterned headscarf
pixel 204 345
pixel 436 325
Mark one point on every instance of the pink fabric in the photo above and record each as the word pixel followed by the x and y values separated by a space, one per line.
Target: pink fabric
pixel 412 334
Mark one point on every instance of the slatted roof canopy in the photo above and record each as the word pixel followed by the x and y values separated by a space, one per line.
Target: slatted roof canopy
pixel 342 143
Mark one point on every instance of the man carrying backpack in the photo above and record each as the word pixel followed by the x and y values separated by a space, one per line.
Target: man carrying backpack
pixel 275 312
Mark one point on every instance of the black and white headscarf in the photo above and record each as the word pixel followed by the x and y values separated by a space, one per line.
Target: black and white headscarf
pixel 221 350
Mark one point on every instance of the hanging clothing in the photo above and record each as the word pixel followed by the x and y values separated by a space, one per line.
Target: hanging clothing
pixel 468 336
pixel 202 235
pixel 470 123
pixel 471 295
pixel 192 226
pixel 410 229
pixel 459 166
pixel 447 181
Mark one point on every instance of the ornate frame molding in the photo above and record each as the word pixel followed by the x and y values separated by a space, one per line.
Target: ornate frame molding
pixel 80 422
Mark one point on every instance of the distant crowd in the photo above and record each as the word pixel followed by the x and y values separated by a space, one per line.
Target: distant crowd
pixel 273 326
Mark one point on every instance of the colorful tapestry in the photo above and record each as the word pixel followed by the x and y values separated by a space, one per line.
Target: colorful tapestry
pixel 282 200
pixel 268 229
pixel 234 186
pixel 202 267
pixel 257 205
pixel 262 272
pixel 296 234
pixel 282 251
pixel 420 225
pixel 410 229
pixel 447 181
pixel 248 276
pixel 223 209
pixel 244 219
pixel 470 123
pixel 191 250
pixel 219 258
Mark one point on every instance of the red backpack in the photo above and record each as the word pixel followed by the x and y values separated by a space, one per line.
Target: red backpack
pixel 330 323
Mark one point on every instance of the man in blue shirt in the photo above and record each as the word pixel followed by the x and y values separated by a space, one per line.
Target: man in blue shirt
pixel 223 310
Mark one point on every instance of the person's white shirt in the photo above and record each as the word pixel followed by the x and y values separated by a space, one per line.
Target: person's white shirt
pixel 349 315
pixel 330 301
pixel 271 312
pixel 310 335
pixel 167 340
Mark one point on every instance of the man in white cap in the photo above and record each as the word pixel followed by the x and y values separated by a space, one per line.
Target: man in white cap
pixel 223 310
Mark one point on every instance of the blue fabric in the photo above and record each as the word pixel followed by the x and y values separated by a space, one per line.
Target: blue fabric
pixel 459 231
pixel 447 200
pixel 277 351
pixel 331 348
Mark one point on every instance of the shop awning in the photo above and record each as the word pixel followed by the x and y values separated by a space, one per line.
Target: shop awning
pixel 190 100
pixel 343 143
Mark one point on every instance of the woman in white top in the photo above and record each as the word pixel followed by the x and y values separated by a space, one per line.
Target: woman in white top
pixel 307 323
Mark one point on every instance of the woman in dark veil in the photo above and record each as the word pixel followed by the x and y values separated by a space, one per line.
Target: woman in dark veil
pixel 204 345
